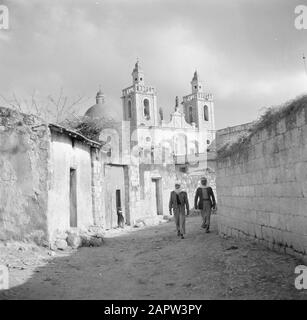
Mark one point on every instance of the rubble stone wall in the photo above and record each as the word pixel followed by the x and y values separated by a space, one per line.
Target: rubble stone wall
pixel 24 154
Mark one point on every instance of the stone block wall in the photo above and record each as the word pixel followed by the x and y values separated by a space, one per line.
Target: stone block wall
pixel 229 134
pixel 262 186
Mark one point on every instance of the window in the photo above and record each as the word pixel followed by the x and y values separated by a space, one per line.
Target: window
pixel 208 141
pixel 183 169
pixel 129 110
pixel 206 114
pixel 146 109
pixel 190 115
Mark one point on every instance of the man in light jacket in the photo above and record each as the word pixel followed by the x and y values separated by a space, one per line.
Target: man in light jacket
pixel 179 203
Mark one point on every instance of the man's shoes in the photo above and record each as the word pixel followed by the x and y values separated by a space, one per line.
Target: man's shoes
pixel 178 233
pixel 182 237
pixel 207 231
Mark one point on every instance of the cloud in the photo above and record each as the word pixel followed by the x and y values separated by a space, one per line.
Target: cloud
pixel 247 52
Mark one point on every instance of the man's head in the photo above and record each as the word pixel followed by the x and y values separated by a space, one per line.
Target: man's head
pixel 203 181
pixel 177 185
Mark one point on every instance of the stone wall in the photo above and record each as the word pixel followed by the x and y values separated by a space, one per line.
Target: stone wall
pixel 24 154
pixel 230 134
pixel 68 153
pixel 262 185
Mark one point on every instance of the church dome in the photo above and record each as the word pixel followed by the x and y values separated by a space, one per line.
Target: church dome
pixel 101 110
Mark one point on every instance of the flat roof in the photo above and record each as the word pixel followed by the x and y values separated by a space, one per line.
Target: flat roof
pixel 74 134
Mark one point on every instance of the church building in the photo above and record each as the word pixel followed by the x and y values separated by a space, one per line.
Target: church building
pixel 146 153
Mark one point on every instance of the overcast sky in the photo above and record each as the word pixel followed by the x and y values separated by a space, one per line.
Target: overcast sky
pixel 248 52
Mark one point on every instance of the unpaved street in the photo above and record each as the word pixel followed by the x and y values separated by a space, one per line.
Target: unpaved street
pixel 152 263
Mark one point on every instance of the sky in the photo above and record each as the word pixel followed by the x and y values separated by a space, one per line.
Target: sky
pixel 248 53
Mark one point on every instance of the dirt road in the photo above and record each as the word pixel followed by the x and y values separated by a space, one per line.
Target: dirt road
pixel 153 263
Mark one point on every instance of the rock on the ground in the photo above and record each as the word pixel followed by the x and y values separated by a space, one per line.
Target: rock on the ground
pixel 139 224
pixel 74 240
pixel 61 244
pixel 91 240
pixel 96 242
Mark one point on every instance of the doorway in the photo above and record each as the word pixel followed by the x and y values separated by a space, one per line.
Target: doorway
pixel 73 197
pixel 118 200
pixel 115 194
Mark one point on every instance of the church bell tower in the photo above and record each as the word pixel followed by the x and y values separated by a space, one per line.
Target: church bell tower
pixel 199 109
pixel 140 101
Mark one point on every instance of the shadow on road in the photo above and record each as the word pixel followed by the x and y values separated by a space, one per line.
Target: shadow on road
pixel 152 263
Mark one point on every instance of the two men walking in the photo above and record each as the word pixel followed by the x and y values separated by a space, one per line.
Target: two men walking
pixel 204 201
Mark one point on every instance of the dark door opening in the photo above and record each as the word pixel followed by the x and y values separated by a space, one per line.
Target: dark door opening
pixel 73 197
pixel 118 199
pixel 120 217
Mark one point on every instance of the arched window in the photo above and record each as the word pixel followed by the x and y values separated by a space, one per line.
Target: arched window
pixel 190 115
pixel 129 110
pixel 146 109
pixel 206 113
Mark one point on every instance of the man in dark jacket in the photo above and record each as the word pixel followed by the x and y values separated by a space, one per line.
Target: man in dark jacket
pixel 205 202
pixel 179 202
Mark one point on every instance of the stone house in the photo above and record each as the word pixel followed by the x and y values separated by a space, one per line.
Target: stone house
pixel 45 179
